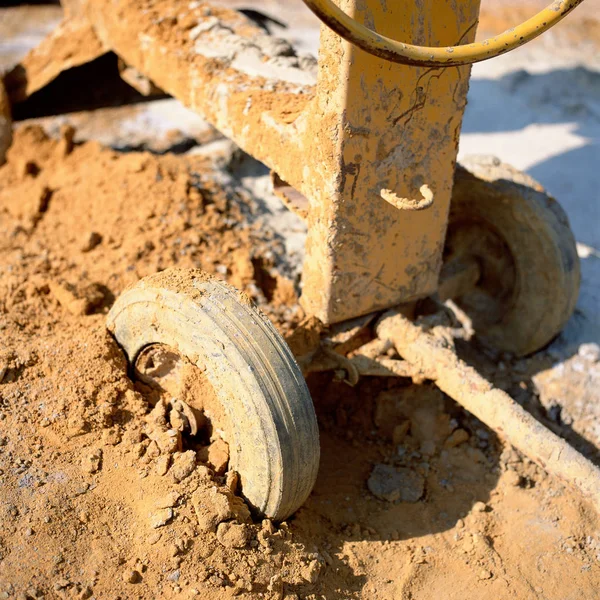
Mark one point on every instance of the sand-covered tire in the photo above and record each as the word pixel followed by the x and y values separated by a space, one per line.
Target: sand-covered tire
pixel 274 439
pixel 526 252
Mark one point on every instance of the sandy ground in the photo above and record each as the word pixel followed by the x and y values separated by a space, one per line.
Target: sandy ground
pixel 78 509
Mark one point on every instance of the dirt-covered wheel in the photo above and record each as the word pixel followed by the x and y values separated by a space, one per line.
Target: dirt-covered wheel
pixel 273 438
pixel 519 238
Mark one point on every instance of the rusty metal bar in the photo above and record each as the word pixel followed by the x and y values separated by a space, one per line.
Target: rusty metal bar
pixel 361 365
pixel 436 358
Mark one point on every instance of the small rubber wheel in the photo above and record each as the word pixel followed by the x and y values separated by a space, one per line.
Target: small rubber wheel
pixel 274 439
pixel 526 253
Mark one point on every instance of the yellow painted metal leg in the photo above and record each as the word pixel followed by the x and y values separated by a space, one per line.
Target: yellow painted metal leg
pixel 379 126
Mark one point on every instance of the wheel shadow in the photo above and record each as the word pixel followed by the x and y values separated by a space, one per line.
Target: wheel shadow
pixel 357 426
pixel 343 521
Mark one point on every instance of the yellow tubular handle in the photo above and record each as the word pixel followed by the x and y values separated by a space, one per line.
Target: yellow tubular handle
pixel 450 56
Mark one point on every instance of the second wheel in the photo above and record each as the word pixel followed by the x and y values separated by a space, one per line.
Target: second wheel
pixel 517 241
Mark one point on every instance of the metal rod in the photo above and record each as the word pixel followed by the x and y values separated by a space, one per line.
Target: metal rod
pixel 435 356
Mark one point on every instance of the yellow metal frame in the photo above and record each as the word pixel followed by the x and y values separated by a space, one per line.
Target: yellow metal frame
pixel 369 149
pixel 382 141
pixel 448 56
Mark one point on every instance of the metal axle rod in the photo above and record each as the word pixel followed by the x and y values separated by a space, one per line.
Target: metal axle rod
pixel 435 357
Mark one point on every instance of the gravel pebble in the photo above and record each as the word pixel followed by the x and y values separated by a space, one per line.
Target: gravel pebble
pixel 233 535
pixel 391 484
pixel 161 517
pixel 183 464
pixel 131 576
